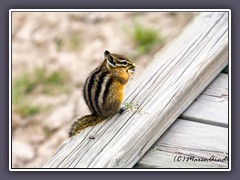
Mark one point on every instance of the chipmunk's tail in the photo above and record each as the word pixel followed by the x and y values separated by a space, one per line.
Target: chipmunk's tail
pixel 82 123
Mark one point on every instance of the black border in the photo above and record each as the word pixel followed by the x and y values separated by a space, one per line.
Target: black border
pixel 5 5
pixel 139 169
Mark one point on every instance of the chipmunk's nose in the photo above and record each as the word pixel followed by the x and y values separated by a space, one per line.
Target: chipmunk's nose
pixel 133 67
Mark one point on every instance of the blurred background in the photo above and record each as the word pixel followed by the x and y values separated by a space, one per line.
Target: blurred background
pixel 52 55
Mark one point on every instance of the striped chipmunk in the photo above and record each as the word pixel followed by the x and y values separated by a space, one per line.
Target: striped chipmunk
pixel 104 90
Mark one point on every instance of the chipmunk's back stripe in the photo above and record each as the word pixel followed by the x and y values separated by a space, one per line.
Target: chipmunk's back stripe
pixel 99 89
pixel 90 88
pixel 84 90
pixel 100 98
pixel 107 88
pixel 85 93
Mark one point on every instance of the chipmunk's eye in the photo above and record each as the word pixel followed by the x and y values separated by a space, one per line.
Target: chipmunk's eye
pixel 124 63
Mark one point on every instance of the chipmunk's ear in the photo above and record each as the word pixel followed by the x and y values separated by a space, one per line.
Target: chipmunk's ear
pixel 106 53
pixel 110 59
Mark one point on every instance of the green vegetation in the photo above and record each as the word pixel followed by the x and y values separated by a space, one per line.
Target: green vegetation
pixel 39 81
pixel 74 42
pixel 129 106
pixel 134 107
pixel 48 132
pixel 144 38
pixel 26 109
pixel 58 44
pixel 71 42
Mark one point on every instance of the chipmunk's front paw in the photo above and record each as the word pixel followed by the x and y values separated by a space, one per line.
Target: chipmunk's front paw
pixel 123 109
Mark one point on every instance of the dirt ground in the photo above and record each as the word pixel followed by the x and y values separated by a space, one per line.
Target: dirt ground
pixel 72 44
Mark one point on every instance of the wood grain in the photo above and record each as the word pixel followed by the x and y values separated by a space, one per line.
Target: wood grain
pixel 187 139
pixel 175 77
pixel 181 140
pixel 211 106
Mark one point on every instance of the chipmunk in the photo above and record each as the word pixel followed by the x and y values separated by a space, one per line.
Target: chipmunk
pixel 104 90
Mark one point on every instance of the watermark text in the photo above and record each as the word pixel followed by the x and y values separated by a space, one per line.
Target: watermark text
pixel 183 158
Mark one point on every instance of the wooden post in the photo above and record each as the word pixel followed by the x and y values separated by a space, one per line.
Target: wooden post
pixel 175 77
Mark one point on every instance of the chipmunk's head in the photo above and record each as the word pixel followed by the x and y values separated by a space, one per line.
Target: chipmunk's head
pixel 119 63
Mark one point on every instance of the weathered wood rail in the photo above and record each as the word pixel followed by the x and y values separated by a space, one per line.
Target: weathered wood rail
pixel 200 133
pixel 175 77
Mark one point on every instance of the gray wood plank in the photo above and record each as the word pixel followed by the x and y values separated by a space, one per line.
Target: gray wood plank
pixel 179 141
pixel 186 144
pixel 212 105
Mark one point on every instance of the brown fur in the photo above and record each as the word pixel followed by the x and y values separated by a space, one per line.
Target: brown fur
pixel 104 91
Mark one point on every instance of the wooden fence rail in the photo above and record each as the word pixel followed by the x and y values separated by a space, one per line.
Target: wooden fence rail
pixel 198 137
pixel 175 77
